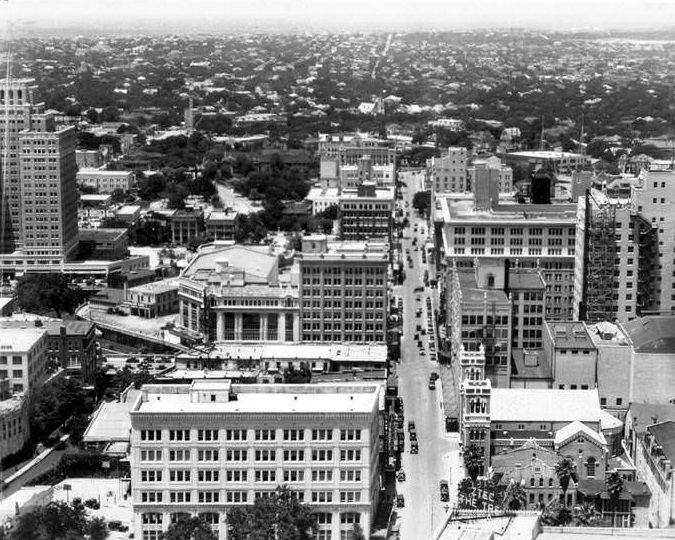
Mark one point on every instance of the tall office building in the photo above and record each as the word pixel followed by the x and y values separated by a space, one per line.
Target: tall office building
pixel 343 290
pixel 38 179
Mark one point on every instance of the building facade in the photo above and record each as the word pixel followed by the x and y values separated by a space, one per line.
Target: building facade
pixel 343 290
pixel 106 181
pixel 203 448
pixel 366 213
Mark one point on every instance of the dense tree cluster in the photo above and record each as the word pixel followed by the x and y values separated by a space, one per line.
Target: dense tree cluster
pixel 58 521
pixel 47 293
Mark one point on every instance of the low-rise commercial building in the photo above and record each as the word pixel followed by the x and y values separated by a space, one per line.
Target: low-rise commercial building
pixel 209 446
pixel 154 299
pixel 106 181
pixel 220 224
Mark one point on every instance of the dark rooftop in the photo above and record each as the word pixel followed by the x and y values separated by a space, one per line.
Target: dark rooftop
pixel 529 364
pixel 664 434
pixel 646 414
pixel 652 334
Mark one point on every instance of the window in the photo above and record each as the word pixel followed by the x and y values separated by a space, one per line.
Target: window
pixel 237 497
pixel 619 401
pixel 350 496
pixel 151 455
pixel 294 476
pixel 294 434
pixel 236 455
pixel 294 455
pixel 237 475
pixel 207 435
pixel 322 434
pixel 590 467
pixel 350 434
pixel 179 475
pixel 235 434
pixel 350 455
pixel 179 434
pixel 322 455
pixel 265 455
pixel 322 475
pixel 207 455
pixel 179 496
pixel 151 434
pixel 151 476
pixel 179 455
pixel 265 434
pixel 208 475
pixel 151 496
pixel 208 496
pixel 265 475
pixel 322 496
pixel 350 475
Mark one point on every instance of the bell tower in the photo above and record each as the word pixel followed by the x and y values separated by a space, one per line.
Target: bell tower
pixel 475 391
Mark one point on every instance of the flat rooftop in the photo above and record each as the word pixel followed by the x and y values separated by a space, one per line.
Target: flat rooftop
pixel 336 352
pixel 156 287
pixel 277 399
pixel 453 209
pixel 533 405
pixel 20 339
pixel 569 335
pixel 654 335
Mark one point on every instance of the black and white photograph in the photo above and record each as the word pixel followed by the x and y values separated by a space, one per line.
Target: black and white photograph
pixel 318 270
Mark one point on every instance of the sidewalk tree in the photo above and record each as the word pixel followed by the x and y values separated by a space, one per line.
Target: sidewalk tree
pixel 192 528
pixel 515 497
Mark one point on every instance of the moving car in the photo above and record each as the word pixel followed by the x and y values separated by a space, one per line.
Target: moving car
pixel 411 425
pixel 432 385
pixel 434 376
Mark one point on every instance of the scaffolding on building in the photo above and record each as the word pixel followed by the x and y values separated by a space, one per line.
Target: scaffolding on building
pixel 600 296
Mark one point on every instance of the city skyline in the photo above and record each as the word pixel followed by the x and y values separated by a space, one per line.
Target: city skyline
pixel 207 16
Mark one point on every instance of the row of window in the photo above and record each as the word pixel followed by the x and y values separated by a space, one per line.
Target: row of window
pixel 234 497
pixel 185 455
pixel 241 475
pixel 259 434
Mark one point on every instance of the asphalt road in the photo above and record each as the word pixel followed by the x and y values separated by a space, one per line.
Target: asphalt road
pixel 438 457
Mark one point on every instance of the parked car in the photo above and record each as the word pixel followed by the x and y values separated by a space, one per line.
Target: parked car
pixel 432 385
pixel 414 449
pixel 413 436
pixel 411 425
pixel 400 475
pixel 400 501
pixel 445 491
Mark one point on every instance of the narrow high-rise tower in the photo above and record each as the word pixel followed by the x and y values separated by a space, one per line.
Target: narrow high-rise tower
pixel 38 176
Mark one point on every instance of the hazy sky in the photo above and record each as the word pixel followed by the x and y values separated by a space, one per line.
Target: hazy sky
pixel 346 14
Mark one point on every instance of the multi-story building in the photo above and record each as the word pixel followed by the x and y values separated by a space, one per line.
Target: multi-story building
pixel 347 160
pixel 154 299
pixel 220 224
pixel 186 225
pixel 527 291
pixel 106 181
pixel 40 206
pixel 490 230
pixel 478 317
pixel 203 448
pixel 494 163
pixel 323 198
pixel 23 358
pixel 343 290
pixel 572 354
pixel 448 173
pixel 366 212
pixel 563 162
pixel 616 256
pixel 238 293
pixel 653 198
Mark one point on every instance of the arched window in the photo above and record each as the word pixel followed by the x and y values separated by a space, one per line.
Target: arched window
pixel 550 482
pixel 531 482
pixel 590 467
pixel 541 482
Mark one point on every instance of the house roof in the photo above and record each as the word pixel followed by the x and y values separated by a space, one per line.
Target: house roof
pixel 533 405
pixel 574 430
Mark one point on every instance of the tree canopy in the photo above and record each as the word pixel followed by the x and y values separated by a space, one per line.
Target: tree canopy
pixel 422 201
pixel 192 528
pixel 44 293
pixel 58 521
pixel 279 516
pixel 473 461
